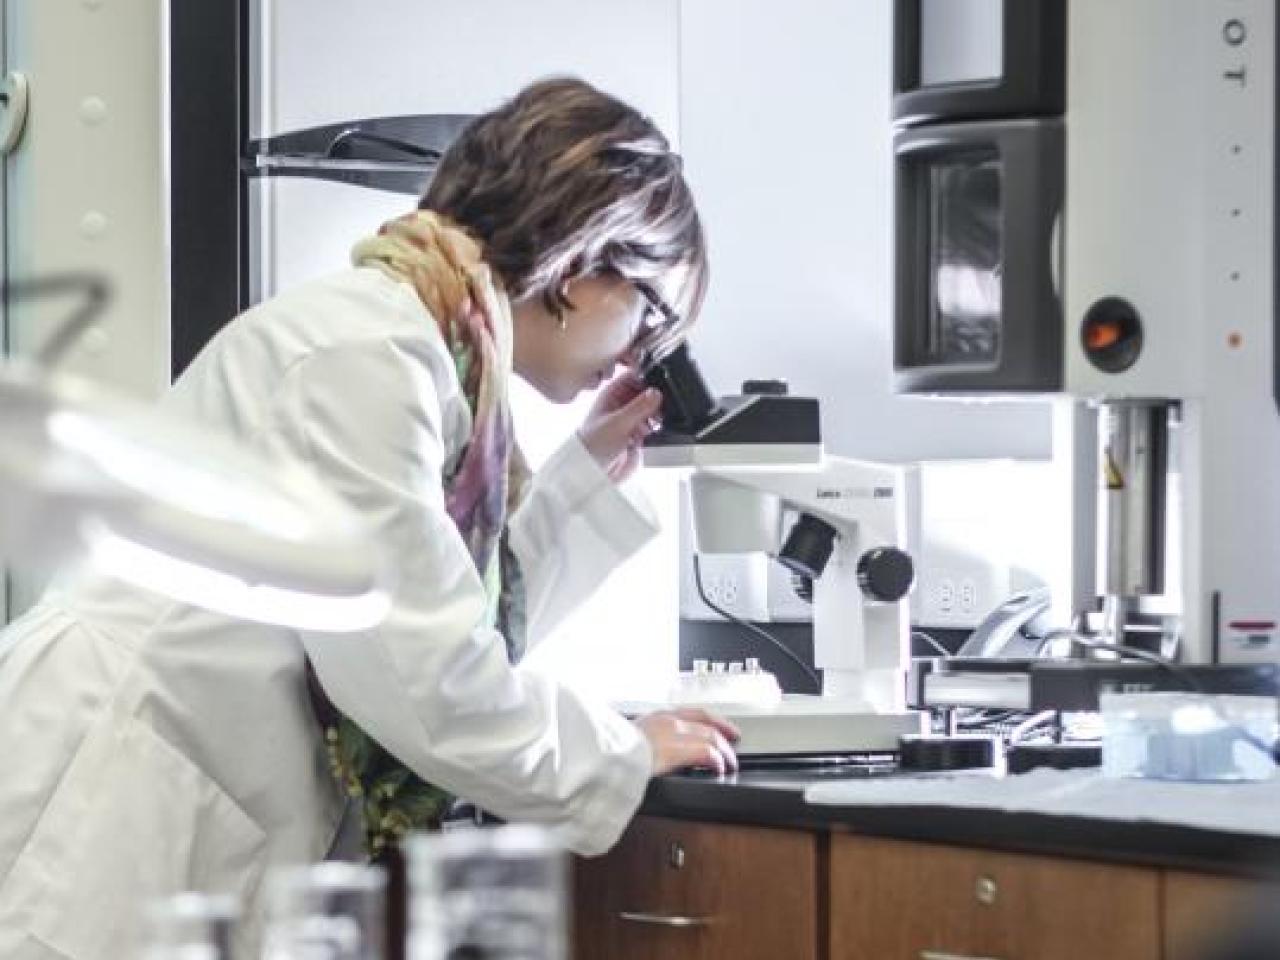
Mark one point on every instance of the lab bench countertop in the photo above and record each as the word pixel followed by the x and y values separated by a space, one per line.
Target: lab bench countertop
pixel 776 798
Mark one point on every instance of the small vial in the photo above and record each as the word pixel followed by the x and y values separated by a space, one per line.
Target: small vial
pixel 718 666
pixel 753 664
pixel 700 667
pixel 736 667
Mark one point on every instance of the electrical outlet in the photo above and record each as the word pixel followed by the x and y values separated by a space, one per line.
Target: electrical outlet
pixel 980 534
pixel 944 595
pixel 738 583
pixel 721 588
pixel 957 592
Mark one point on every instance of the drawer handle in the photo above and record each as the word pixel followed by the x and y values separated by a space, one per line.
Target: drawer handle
pixel 942 955
pixel 674 921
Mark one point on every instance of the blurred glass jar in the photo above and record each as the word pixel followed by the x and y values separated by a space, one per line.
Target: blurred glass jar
pixel 491 893
pixel 191 926
pixel 326 911
pixel 1169 735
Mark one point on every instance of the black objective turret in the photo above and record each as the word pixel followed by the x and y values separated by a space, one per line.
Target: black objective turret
pixel 809 546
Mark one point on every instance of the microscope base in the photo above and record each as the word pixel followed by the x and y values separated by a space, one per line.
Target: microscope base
pixel 803 725
pixel 820 726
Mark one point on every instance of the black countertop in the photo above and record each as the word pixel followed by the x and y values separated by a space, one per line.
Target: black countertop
pixel 776 799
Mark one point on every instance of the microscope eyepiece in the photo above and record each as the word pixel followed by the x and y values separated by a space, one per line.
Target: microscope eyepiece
pixel 687 404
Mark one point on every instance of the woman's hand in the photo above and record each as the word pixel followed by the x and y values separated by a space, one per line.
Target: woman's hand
pixel 689 737
pixel 624 413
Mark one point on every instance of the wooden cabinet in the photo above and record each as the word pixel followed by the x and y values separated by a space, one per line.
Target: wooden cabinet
pixel 694 891
pixel 892 900
pixel 1199 909
pixel 678 890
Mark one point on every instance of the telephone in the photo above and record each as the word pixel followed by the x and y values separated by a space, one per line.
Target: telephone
pixel 1013 630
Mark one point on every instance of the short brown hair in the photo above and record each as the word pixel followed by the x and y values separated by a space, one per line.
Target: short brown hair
pixel 564 181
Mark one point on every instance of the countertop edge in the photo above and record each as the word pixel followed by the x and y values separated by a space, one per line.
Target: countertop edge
pixel 1136 843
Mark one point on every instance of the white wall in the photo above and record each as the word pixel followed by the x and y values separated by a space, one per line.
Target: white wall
pixel 784 112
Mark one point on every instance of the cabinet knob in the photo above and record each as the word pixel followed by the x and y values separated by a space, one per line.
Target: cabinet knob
pixel 985 890
pixel 675 855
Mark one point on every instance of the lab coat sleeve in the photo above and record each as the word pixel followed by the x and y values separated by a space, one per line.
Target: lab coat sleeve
pixel 573 529
pixel 432 684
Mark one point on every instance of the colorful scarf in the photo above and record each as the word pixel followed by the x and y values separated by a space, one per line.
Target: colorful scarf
pixel 444 266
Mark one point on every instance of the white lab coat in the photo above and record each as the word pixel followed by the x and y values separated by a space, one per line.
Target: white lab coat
pixel 149 746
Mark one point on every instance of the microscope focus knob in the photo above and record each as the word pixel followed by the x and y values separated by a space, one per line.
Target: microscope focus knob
pixel 886 573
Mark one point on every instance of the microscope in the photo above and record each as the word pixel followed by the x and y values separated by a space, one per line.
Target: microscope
pixel 757 460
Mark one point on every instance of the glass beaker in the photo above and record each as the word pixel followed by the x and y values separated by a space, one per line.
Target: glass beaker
pixel 486 894
pixel 326 911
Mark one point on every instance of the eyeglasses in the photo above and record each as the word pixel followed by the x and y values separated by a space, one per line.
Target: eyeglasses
pixel 659 317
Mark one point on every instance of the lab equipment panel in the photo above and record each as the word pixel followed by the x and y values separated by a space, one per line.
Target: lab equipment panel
pixel 978 213
pixel 973 59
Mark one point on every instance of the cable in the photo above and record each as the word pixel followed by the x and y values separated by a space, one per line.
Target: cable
pixel 979 718
pixel 1177 670
pixel 752 628
pixel 1031 723
pixel 942 651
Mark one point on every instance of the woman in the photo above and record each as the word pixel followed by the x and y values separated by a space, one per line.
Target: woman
pixel 154 747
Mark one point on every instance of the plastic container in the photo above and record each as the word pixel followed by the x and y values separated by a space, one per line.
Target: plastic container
pixel 725 685
pixel 1188 736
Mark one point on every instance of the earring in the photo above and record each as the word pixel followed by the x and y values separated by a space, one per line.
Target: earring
pixel 561 320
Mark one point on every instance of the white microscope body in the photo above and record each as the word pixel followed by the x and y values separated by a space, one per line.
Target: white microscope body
pixel 755 456
pixel 850 538
pixel 860 629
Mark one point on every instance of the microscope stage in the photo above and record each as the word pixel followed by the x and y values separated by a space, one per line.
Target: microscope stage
pixel 820 726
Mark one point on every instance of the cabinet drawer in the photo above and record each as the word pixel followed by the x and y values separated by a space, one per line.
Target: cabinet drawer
pixel 893 900
pixel 1200 910
pixel 698 891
